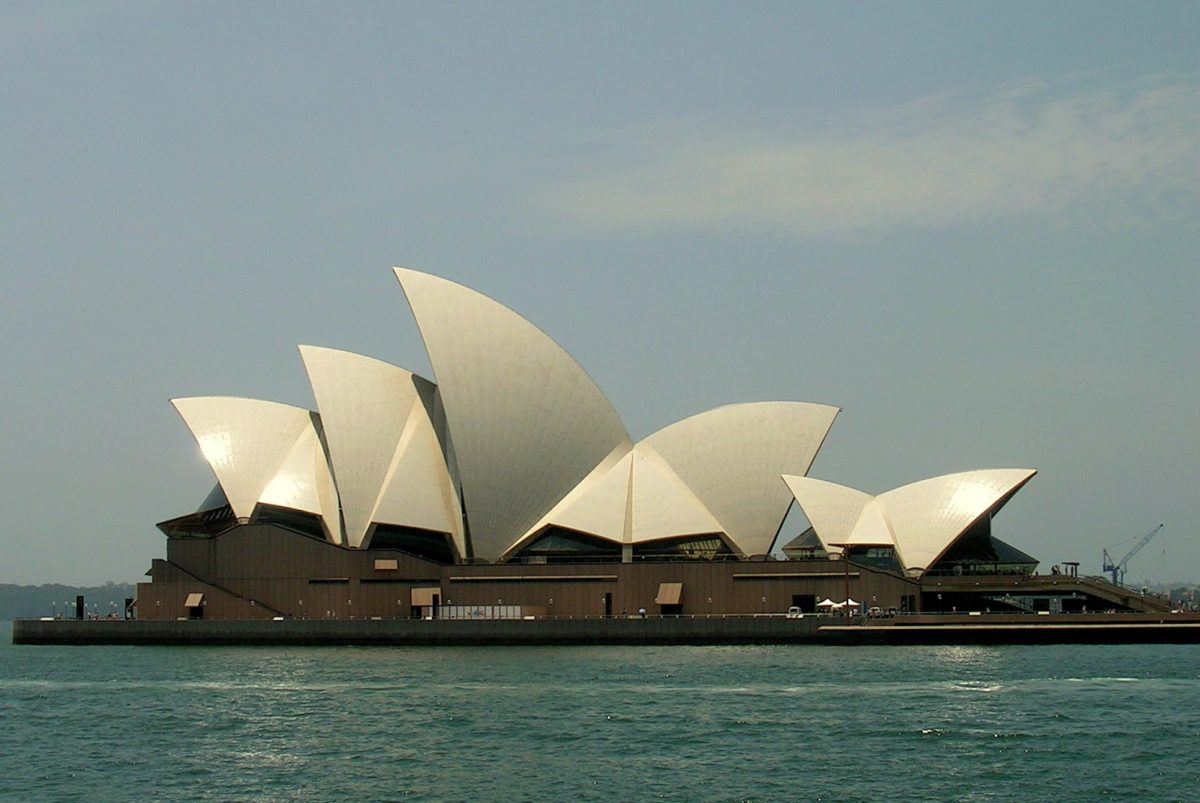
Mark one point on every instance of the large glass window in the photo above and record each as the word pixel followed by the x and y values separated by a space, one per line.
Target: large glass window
pixel 297 520
pixel 428 544
pixel 560 545
pixel 690 547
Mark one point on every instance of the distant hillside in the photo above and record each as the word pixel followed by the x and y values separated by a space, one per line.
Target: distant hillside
pixel 23 602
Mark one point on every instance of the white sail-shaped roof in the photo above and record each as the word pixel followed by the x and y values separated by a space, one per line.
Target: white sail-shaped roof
pixel 732 457
pixel 633 499
pixel 304 482
pixel 928 516
pixel 598 505
pixel 726 460
pixel 921 520
pixel 873 527
pixel 262 451
pixel 419 491
pixel 527 423
pixel 662 505
pixel 833 510
pixel 388 462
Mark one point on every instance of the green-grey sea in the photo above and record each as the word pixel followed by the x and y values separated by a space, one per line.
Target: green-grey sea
pixel 599 723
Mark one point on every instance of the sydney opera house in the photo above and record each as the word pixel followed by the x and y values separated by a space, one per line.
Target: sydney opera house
pixel 507 486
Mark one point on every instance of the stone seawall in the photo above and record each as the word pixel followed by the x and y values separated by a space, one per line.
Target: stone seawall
pixel 654 630
pixel 1151 630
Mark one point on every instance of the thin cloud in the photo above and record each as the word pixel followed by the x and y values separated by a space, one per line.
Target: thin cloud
pixel 1107 157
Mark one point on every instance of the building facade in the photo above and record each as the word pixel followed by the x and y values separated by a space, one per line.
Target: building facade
pixel 510 487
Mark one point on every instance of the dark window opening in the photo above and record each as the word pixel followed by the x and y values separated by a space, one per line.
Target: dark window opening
pixel 204 524
pixel 976 552
pixel 805 546
pixel 296 520
pixel 396 581
pixel 877 557
pixel 689 547
pixel 427 544
pixel 807 603
pixel 560 545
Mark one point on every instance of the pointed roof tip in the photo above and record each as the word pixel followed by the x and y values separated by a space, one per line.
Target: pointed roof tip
pixel 309 353
pixel 521 450
pixel 413 279
pixel 742 406
pixel 406 275
pixel 307 350
pixel 215 397
pixel 403 274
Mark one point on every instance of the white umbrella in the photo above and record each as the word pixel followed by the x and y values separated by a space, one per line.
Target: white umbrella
pixel 853 604
pixel 826 603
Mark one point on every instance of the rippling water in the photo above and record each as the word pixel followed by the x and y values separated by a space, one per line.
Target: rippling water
pixel 599 723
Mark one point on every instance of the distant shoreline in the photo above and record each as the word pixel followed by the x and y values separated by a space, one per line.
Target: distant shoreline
pixel 49 599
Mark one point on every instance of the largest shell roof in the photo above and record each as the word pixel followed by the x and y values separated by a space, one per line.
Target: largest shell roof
pixel 513 437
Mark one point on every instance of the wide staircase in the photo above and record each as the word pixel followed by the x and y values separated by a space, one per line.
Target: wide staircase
pixel 1107 594
pixel 1127 597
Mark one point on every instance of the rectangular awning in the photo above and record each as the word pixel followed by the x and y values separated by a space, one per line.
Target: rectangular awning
pixel 669 594
pixel 194 600
pixel 423 597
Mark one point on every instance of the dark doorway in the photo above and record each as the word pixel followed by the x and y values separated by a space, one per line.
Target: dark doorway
pixel 807 603
pixel 608 603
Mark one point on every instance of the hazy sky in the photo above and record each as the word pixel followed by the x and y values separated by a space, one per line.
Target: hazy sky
pixel 972 226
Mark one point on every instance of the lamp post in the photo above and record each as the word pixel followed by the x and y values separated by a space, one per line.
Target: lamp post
pixel 846 555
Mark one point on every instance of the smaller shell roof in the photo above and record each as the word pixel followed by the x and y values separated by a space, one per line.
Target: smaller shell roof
pixel 263 451
pixel 714 472
pixel 922 519
pixel 731 458
pixel 388 462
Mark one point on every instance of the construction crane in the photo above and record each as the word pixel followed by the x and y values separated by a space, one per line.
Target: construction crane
pixel 1118 568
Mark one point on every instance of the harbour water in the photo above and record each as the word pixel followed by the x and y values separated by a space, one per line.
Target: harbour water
pixel 599 723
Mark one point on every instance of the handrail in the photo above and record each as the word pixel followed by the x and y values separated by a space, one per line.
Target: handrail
pixel 231 592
